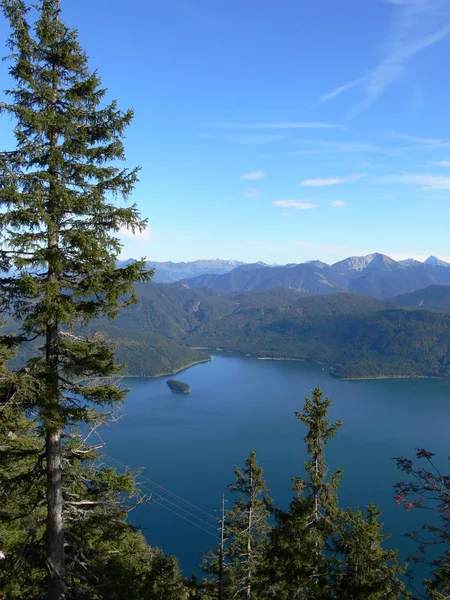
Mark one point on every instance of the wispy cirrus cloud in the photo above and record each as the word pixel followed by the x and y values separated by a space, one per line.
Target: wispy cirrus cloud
pixel 254 175
pixel 327 181
pixel 415 139
pixel 328 147
pixel 443 163
pixel 338 91
pixel 337 203
pixel 417 25
pixel 425 181
pixel 297 204
pixel 318 147
pixel 276 125
pixel 253 193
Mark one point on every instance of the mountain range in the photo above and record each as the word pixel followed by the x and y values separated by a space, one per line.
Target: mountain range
pixel 168 272
pixel 396 325
pixel 375 275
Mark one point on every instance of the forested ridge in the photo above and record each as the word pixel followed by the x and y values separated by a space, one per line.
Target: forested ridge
pixel 357 335
pixel 64 526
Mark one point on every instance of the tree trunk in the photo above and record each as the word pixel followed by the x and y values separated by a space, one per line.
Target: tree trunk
pixel 248 590
pixel 56 559
pixel 55 527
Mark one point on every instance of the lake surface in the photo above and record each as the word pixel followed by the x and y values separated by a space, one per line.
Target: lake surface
pixel 189 443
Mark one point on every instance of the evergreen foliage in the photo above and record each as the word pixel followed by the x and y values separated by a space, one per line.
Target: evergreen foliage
pixel 57 225
pixel 318 550
pixel 245 531
pixel 64 529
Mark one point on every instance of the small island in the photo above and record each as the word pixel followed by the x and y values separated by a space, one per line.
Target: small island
pixel 178 386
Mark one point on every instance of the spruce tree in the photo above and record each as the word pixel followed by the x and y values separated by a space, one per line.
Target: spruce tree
pixel 363 569
pixel 317 550
pixel 22 489
pixel 298 566
pixel 246 529
pixel 58 192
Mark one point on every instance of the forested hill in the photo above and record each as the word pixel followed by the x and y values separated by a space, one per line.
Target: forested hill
pixel 358 335
pixel 434 297
pixel 175 311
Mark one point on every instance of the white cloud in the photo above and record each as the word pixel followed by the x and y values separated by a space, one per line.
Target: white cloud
pixel 318 147
pixel 416 140
pixel 427 182
pixel 254 175
pixel 338 91
pixel 417 25
pixel 337 203
pixel 279 125
pixel 325 147
pixel 326 181
pixel 253 193
pixel 141 236
pixel 297 204
pixel 444 163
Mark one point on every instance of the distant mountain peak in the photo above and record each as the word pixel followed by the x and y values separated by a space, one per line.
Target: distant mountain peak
pixel 317 263
pixel 359 263
pixel 436 262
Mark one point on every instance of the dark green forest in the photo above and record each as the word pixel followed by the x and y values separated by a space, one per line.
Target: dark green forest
pixel 357 335
pixel 65 531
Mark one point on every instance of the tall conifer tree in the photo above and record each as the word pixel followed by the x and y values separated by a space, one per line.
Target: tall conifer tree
pixel 297 563
pixel 248 527
pixel 246 530
pixel 317 550
pixel 58 222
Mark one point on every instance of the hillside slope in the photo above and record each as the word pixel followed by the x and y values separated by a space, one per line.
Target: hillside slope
pixel 434 297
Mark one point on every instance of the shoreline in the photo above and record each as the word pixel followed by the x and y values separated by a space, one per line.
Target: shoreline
pixel 331 367
pixel 197 362
pixel 281 358
pixel 373 377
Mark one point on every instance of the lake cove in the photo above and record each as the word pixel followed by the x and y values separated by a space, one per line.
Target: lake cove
pixel 189 444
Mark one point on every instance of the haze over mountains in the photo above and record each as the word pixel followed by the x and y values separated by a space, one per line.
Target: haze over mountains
pixel 375 275
pixel 368 316
pixel 168 272
pixel 173 326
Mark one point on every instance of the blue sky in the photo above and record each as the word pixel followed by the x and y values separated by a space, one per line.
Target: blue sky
pixel 279 131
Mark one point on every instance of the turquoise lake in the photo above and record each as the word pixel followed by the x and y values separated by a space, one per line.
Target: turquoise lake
pixel 189 443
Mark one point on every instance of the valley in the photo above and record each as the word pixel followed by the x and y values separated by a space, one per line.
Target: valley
pixel 361 335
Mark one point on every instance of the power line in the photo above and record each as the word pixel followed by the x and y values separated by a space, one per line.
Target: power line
pixel 162 501
pixel 188 520
pixel 159 497
pixel 197 508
